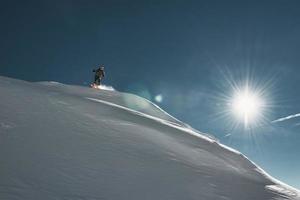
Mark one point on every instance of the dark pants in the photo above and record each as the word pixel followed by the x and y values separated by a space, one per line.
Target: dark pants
pixel 97 80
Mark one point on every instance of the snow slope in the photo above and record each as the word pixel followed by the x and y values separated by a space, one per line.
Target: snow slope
pixel 63 142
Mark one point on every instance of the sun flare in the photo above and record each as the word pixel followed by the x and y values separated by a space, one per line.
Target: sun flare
pixel 247 106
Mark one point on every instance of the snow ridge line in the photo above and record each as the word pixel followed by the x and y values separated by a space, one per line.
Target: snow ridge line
pixel 160 109
pixel 181 124
pixel 166 122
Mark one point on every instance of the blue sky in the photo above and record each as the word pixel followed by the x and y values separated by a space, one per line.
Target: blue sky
pixel 189 52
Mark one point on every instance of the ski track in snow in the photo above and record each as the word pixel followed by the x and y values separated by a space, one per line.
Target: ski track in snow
pixel 61 142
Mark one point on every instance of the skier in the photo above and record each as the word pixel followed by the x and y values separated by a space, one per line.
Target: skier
pixel 99 75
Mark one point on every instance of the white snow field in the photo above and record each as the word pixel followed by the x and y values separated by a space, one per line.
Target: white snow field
pixel 62 142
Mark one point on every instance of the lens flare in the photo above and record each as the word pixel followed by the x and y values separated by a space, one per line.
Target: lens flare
pixel 158 98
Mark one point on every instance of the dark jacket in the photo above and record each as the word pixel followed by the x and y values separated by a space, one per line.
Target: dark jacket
pixel 99 72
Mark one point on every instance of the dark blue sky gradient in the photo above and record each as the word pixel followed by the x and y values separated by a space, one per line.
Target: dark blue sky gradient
pixel 183 50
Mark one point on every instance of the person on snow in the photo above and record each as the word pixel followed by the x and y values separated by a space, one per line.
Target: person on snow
pixel 99 74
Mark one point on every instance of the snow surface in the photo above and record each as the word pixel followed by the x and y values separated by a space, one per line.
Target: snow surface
pixel 70 142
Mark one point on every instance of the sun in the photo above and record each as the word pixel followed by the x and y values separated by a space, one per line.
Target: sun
pixel 247 106
pixel 244 100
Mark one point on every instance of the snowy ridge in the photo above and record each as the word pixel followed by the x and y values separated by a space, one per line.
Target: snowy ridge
pixel 69 142
pixel 169 123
